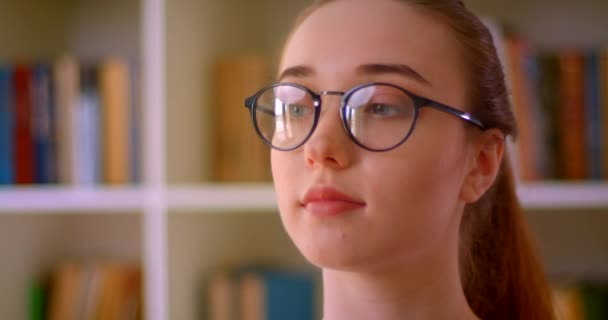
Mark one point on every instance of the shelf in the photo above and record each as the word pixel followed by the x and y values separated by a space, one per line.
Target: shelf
pixel 222 197
pixel 564 195
pixel 70 199
pixel 250 198
pixel 260 197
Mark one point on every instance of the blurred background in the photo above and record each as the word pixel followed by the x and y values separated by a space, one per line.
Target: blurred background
pixel 132 184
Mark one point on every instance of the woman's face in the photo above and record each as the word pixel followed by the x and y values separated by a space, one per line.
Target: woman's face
pixel 351 209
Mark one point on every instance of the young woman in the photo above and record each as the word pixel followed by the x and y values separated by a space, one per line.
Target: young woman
pixel 388 126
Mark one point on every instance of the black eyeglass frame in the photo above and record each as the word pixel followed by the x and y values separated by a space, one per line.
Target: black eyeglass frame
pixel 419 102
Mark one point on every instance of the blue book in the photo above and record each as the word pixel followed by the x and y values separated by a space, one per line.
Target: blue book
pixel 87 131
pixel 289 296
pixel 42 130
pixel 592 116
pixel 279 295
pixel 6 127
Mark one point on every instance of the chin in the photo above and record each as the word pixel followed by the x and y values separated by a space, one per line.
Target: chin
pixel 338 256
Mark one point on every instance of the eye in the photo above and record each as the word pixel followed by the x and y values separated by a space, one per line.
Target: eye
pixel 299 110
pixel 384 110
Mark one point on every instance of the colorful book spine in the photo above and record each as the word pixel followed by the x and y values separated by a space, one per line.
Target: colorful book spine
pixel 592 113
pixel 94 291
pixel 277 295
pixel 523 76
pixel 6 126
pixel 516 80
pixel 567 301
pixel 571 116
pixel 87 131
pixel 36 301
pixel 66 92
pixel 595 301
pixel 548 87
pixel 221 296
pixel 51 131
pixel 42 130
pixel 604 110
pixel 114 96
pixel 23 157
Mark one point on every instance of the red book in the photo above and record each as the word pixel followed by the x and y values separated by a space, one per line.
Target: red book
pixel 23 147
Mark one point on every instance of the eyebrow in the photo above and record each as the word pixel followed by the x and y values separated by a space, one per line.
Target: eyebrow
pixel 399 69
pixel 296 72
pixel 302 71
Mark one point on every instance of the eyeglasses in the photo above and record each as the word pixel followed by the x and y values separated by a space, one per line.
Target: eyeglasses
pixel 376 116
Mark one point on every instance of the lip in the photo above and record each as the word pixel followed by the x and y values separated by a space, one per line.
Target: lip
pixel 324 201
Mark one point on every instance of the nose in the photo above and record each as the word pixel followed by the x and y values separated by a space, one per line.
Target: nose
pixel 329 146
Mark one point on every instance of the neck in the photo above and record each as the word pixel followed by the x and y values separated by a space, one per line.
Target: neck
pixel 424 291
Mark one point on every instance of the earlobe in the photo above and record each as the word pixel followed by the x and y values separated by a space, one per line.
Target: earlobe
pixel 485 160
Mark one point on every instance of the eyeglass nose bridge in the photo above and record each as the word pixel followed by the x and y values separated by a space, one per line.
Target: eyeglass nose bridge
pixel 322 110
pixel 333 93
pixel 330 93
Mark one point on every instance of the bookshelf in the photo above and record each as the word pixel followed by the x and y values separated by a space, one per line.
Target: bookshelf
pixel 177 222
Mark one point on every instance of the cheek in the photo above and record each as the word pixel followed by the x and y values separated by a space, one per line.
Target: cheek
pixel 285 175
pixel 281 167
pixel 415 197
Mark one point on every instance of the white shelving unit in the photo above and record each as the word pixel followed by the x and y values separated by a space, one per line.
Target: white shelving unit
pixel 175 223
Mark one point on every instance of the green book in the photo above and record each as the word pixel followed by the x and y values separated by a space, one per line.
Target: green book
pixel 36 301
pixel 595 301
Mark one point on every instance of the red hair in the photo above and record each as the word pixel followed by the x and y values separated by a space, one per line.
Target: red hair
pixel 500 271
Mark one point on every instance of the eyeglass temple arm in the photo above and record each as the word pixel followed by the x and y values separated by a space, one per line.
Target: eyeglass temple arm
pixel 455 112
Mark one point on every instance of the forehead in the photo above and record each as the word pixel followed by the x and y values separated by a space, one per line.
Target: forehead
pixel 344 34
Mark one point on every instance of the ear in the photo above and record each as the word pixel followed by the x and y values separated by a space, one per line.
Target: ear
pixel 484 162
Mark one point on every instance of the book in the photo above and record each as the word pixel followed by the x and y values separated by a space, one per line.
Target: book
pixel 526 146
pixel 594 301
pixel 567 301
pixel 66 92
pixel 604 110
pixel 23 148
pixel 114 94
pixel 571 115
pixel 276 295
pixel 118 293
pixel 95 291
pixel 593 143
pixel 36 301
pixel 221 295
pixel 548 88
pixel 260 292
pixel 239 154
pixel 65 292
pixel 6 126
pixel 42 126
pixel 86 126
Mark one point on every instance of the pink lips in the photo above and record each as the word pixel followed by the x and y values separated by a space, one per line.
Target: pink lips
pixel 327 201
